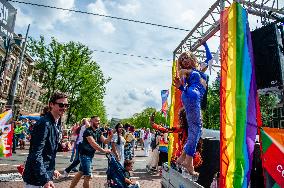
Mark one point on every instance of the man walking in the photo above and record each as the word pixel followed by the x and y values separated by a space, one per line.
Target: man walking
pixel 87 151
pixel 40 164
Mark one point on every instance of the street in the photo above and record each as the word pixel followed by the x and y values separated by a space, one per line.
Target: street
pixel 10 178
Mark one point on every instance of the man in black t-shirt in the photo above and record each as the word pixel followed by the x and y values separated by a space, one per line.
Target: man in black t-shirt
pixel 87 151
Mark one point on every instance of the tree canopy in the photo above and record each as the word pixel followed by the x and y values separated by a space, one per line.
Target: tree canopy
pixel 68 67
pixel 141 119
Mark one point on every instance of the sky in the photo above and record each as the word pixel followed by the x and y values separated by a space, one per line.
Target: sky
pixel 135 83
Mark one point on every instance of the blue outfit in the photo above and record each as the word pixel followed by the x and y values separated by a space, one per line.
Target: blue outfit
pixel 192 94
pixel 40 163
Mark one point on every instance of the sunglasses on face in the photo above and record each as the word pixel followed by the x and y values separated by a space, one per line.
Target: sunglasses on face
pixel 62 105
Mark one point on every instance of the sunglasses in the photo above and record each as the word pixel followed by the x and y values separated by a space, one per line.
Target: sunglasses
pixel 62 105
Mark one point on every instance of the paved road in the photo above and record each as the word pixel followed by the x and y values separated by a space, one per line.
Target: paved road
pixel 10 178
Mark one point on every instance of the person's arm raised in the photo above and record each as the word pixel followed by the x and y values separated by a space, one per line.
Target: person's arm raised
pixel 108 139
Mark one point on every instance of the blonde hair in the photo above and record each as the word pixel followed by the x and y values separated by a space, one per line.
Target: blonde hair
pixel 192 58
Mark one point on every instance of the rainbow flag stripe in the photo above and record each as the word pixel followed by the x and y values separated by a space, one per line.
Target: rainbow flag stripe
pixel 176 104
pixel 6 137
pixel 5 117
pixel 238 102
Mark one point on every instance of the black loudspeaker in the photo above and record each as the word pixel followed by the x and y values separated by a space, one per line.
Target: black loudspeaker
pixel 211 162
pixel 256 175
pixel 269 60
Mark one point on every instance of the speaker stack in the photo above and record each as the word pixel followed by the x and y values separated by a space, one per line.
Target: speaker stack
pixel 211 162
pixel 269 60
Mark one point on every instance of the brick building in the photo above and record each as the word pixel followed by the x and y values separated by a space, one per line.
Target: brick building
pixel 32 101
pixel 28 91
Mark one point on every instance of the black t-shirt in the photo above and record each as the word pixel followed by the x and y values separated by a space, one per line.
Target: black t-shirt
pixel 86 148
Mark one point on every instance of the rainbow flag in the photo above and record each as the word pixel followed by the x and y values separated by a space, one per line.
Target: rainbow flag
pixel 164 95
pixel 239 101
pixel 176 105
pixel 272 145
pixel 5 117
pixel 6 136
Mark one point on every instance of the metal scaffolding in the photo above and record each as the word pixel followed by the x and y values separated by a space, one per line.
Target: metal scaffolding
pixel 209 25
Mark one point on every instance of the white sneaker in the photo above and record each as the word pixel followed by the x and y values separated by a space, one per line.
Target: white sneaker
pixel 65 174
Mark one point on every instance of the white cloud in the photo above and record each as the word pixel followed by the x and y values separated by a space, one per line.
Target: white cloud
pixel 97 21
pixel 45 18
pixel 130 8
pixel 107 28
pixel 188 16
pixel 136 82
pixel 148 92
pixel 98 8
pixel 22 20
pixel 133 94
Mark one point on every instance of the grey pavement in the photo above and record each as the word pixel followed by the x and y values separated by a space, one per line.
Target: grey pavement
pixel 10 178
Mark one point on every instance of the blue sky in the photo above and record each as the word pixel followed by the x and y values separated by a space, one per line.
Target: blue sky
pixel 136 82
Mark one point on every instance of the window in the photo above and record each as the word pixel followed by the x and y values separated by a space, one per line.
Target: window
pixel 275 113
pixel 26 104
pixel 19 90
pixel 6 86
pixel 282 112
pixel 13 65
pixel 8 66
pixel 23 73
pixel 275 124
pixel 282 124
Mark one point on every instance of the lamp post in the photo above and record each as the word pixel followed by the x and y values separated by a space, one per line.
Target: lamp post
pixel 8 44
pixel 12 94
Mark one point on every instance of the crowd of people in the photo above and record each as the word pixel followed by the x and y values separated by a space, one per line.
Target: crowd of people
pixel 88 136
pixel 22 133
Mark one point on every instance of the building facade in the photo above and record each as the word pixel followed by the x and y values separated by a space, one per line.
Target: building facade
pixel 277 118
pixel 31 102
pixel 27 99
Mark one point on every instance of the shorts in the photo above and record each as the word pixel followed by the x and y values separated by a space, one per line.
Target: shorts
pixel 21 136
pixel 74 138
pixel 163 157
pixel 86 165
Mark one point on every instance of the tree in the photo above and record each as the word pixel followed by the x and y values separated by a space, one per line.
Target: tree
pixel 211 116
pixel 68 67
pixel 141 119
pixel 267 103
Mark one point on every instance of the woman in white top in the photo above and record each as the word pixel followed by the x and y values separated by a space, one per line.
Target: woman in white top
pixel 147 141
pixel 118 143
pixel 76 160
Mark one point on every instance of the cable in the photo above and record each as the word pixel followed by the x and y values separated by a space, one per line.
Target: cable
pixel 131 55
pixel 94 14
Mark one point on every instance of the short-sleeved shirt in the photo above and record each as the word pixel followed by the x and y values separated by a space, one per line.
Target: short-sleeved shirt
pixel 86 148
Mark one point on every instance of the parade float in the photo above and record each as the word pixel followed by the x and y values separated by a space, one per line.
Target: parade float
pixel 233 156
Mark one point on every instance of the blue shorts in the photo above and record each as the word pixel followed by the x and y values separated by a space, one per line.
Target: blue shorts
pixel 86 165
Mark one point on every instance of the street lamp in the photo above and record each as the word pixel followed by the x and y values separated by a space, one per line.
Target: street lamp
pixel 12 94
pixel 8 44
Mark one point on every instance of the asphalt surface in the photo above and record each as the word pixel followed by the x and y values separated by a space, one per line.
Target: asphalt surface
pixel 10 178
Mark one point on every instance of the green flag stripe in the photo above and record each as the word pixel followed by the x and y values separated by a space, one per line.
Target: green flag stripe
pixel 266 141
